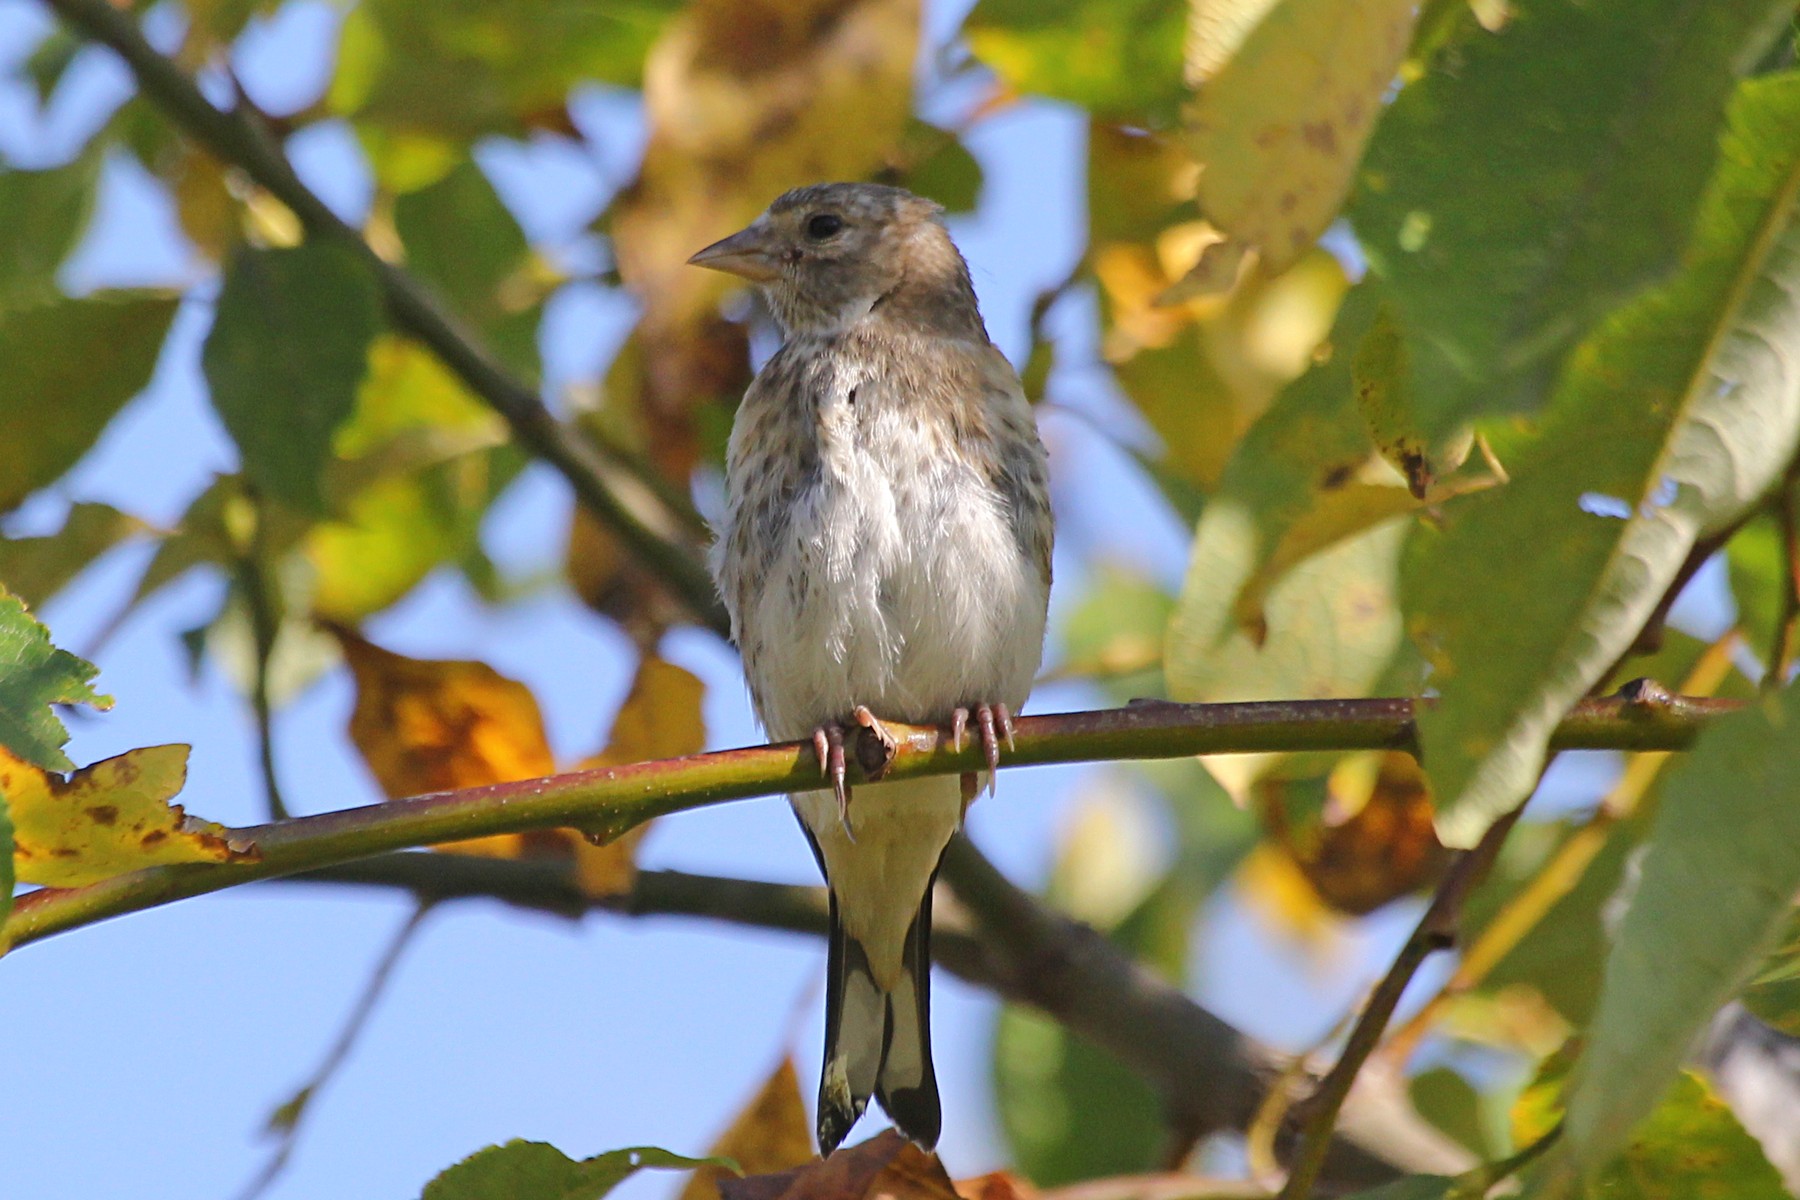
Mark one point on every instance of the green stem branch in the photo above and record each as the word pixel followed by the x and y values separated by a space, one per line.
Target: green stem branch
pixel 612 800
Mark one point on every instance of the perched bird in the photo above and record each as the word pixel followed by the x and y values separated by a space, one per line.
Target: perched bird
pixel 884 553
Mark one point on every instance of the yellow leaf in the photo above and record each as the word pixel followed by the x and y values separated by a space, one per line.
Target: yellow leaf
pixel 770 1134
pixel 660 718
pixel 109 818
pixel 430 726
pixel 1280 126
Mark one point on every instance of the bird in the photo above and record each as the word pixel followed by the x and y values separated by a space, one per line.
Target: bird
pixel 884 553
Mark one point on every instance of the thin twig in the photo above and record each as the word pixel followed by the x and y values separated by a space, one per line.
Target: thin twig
pixel 1435 931
pixel 613 490
pixel 254 562
pixel 284 1122
pixel 612 800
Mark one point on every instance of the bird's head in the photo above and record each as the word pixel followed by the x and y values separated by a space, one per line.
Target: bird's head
pixel 828 255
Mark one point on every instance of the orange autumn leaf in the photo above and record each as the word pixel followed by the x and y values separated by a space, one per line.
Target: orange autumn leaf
pixel 109 818
pixel 660 718
pixel 426 725
pixel 770 1134
pixel 886 1166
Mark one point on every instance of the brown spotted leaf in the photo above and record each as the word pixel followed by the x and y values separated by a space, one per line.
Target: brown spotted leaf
pixel 1280 125
pixel 109 818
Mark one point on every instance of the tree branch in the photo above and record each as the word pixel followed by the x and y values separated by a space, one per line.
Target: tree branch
pixel 629 505
pixel 612 800
pixel 996 937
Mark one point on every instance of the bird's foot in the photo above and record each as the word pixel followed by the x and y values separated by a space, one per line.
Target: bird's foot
pixel 873 755
pixel 993 722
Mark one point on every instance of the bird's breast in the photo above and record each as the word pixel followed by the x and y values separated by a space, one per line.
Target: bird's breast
pixel 895 580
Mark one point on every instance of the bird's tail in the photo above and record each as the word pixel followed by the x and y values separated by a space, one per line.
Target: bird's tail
pixel 879 1042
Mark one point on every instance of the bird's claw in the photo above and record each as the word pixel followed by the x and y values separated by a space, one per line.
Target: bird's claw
pixel 872 756
pixel 993 722
pixel 828 744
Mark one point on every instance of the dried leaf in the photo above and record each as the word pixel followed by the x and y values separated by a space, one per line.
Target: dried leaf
pixel 771 1134
pixel 886 1166
pixel 109 818
pixel 1376 843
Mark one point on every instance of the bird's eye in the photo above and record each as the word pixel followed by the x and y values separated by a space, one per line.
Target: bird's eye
pixel 820 226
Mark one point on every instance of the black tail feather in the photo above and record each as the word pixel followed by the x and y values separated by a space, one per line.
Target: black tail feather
pixel 914 1105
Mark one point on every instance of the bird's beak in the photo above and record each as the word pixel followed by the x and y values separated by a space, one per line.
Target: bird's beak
pixel 746 253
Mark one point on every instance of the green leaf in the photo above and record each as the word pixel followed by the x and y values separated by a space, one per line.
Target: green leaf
pixel 1774 995
pixel 288 347
pixel 1757 563
pixel 42 215
pixel 459 69
pixel 1691 1145
pixel 34 675
pixel 66 368
pixel 1675 417
pixel 1537 177
pixel 1716 884
pixel 462 239
pixel 1117 627
pixel 1329 626
pixel 36 568
pixel 939 167
pixel 417 467
pixel 1306 445
pixel 1113 59
pixel 1451 1103
pixel 521 1170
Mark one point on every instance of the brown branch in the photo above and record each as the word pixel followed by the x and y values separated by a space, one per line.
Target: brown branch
pixel 996 937
pixel 612 800
pixel 616 491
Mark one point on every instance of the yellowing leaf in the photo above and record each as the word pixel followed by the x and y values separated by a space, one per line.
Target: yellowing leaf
pixel 1281 125
pixel 109 818
pixel 660 718
pixel 770 1134
pixel 430 726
